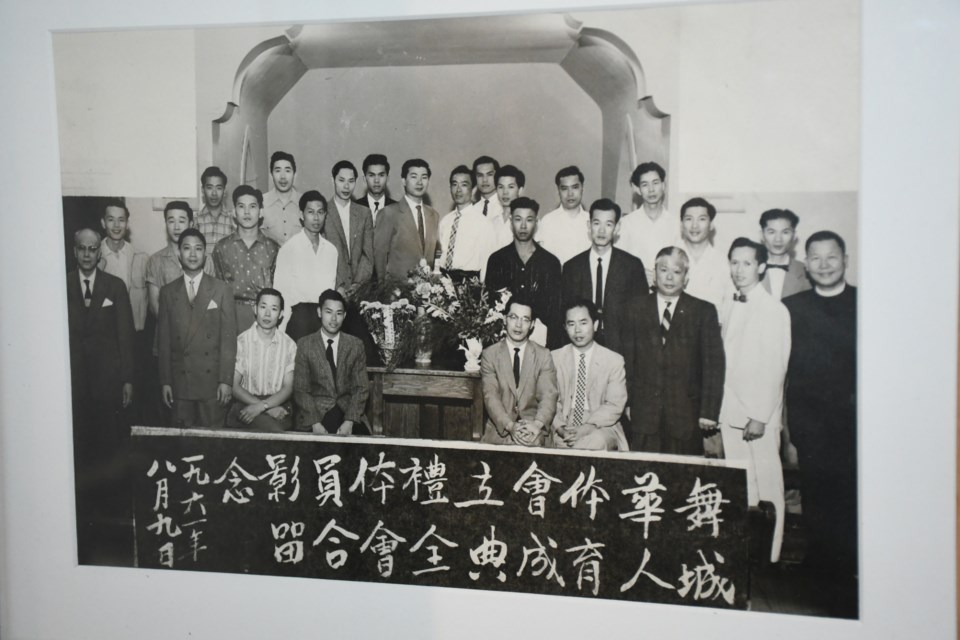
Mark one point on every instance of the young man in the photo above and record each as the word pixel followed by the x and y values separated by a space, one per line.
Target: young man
pixel 709 275
pixel 215 221
pixel 164 266
pixel 246 258
pixel 406 231
pixel 785 276
pixel 330 376
pixel 564 231
pixel 263 376
pixel 510 182
pixel 650 228
pixel 756 339
pixel 306 267
pixel 376 173
pixel 119 258
pixel 280 214
pixel 592 386
pixel 609 276
pixel 466 237
pixel 350 230
pixel 675 364
pixel 485 176
pixel 519 382
pixel 528 270
pixel 198 340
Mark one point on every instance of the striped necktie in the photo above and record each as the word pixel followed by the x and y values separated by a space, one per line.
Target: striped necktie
pixel 453 240
pixel 665 323
pixel 580 398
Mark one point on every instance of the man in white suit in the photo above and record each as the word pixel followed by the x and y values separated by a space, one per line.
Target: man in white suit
pixel 592 386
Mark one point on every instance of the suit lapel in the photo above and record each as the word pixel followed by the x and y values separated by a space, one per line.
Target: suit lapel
pixel 526 370
pixel 356 222
pixel 334 216
pixel 200 302
pixel 96 302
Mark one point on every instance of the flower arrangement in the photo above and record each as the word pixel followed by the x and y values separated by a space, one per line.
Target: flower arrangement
pixel 390 325
pixel 465 311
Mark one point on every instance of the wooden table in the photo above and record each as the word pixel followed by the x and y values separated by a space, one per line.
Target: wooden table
pixel 426 402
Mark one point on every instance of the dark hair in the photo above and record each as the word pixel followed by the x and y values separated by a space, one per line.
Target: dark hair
pixel 119 203
pixel 823 236
pixel 375 158
pixel 646 167
pixel 524 202
pixel 605 204
pixel 282 155
pixel 213 172
pixel 312 196
pixel 191 232
pixel 414 162
pixel 464 169
pixel 343 164
pixel 567 172
pixel 779 214
pixel 268 291
pixel 521 300
pixel 576 303
pixel 759 250
pixel 330 294
pixel 699 202
pixel 247 190
pixel 485 160
pixel 179 205
pixel 510 171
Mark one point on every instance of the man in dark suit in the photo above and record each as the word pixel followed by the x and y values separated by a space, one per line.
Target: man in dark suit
pixel 330 385
pixel 785 276
pixel 675 364
pixel 197 340
pixel 350 229
pixel 376 173
pixel 605 275
pixel 406 231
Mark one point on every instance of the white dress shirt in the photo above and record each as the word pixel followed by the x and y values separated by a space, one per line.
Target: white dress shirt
pixel 376 205
pixel 195 280
pixel 644 237
pixel 709 276
pixel 416 219
pixel 565 235
pixel 92 278
pixel 302 274
pixel 474 242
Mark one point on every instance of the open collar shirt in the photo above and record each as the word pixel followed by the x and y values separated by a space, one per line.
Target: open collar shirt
pixel 262 364
pixel 246 269
pixel 281 218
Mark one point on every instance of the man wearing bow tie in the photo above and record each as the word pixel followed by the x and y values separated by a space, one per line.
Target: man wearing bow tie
pixel 785 276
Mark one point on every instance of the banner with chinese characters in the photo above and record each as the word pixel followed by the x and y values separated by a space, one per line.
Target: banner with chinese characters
pixel 626 526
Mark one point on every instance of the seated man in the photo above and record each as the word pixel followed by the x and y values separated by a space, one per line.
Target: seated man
pixel 330 385
pixel 592 384
pixel 519 383
pixel 263 378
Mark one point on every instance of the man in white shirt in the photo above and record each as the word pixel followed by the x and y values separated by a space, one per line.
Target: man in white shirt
pixel 709 273
pixel 376 173
pixel 466 237
pixel 510 182
pixel 119 258
pixel 485 175
pixel 280 214
pixel 564 232
pixel 651 227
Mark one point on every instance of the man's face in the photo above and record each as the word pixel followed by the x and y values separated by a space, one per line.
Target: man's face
pixel 416 182
pixel 114 223
pixel 486 183
pixel 213 190
pixel 507 190
pixel 603 227
pixel 313 216
pixel 461 189
pixel 826 263
pixel 268 312
pixel 779 236
pixel 670 276
pixel 651 188
pixel 580 328
pixel 247 212
pixel 519 322
pixel 177 221
pixel 695 225
pixel 192 254
pixel 86 249
pixel 283 175
pixel 343 183
pixel 524 224
pixel 332 314
pixel 571 192
pixel 744 268
pixel 376 177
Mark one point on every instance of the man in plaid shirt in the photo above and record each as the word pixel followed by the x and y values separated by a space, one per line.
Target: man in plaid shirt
pixel 215 221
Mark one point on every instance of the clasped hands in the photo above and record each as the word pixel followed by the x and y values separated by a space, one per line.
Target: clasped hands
pixel 525 432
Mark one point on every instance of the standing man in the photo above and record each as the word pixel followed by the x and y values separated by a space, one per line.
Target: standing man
pixel 119 258
pixel 376 173
pixel 466 237
pixel 709 268
pixel 485 176
pixel 280 215
pixel 785 276
pixel 406 232
pixel 519 383
pixel 510 182
pixel 246 258
pixel 608 276
pixel 564 231
pixel 350 231
pixel 756 339
pixel 650 228
pixel 822 407
pixel 215 221
pixel 592 386
pixel 530 271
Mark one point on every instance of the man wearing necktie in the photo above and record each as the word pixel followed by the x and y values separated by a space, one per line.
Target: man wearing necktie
pixel 485 176
pixel 349 228
pixel 466 238
pixel 376 173
pixel 406 232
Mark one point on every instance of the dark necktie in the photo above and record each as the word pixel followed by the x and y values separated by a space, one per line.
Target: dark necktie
pixel 740 297
pixel 486 203
pixel 598 298
pixel 87 294
pixel 420 227
pixel 665 323
pixel 516 366
pixel 376 207
pixel 332 361
pixel 785 267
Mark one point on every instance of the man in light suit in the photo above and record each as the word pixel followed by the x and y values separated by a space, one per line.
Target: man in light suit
pixel 330 385
pixel 519 383
pixel 197 340
pixel 406 231
pixel 621 277
pixel 784 276
pixel 350 229
pixel 592 385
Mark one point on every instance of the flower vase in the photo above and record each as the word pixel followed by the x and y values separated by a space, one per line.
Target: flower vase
pixel 472 349
pixel 424 344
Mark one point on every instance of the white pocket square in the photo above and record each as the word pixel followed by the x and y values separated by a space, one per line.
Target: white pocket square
pixel 212 305
pixel 107 302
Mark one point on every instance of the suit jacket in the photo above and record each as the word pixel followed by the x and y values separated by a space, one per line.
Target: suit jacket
pixel 794 281
pixel 197 342
pixel 354 267
pixel 396 241
pixel 606 389
pixel 626 279
pixel 314 391
pixel 363 202
pixel 534 399
pixel 678 381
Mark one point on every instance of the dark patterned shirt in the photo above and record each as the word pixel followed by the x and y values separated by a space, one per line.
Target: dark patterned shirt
pixel 246 269
pixel 538 280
